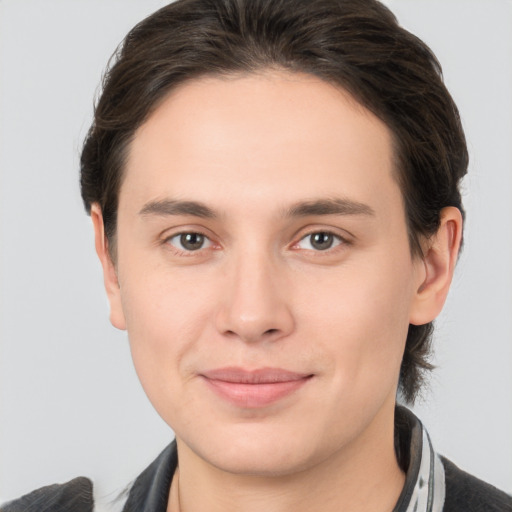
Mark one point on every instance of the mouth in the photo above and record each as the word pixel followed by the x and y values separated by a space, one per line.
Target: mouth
pixel 253 389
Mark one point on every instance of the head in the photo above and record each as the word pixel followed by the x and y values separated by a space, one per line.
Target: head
pixel 195 52
pixel 356 45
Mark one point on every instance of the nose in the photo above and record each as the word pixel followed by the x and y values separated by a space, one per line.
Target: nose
pixel 254 306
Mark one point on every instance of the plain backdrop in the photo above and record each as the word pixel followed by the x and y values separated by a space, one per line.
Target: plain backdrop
pixel 70 402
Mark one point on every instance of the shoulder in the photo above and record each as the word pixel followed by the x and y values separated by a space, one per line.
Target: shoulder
pixel 467 493
pixel 149 492
pixel 75 495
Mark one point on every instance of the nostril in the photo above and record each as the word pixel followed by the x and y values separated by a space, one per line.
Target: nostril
pixel 270 331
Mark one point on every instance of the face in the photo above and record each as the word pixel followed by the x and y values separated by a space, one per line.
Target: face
pixel 264 273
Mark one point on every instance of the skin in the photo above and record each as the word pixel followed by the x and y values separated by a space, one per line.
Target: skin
pixel 254 150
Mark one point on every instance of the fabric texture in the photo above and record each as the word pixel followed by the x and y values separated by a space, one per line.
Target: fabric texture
pixel 465 492
pixel 73 496
pixel 433 483
pixel 424 488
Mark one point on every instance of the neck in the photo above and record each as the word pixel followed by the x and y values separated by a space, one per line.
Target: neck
pixel 359 477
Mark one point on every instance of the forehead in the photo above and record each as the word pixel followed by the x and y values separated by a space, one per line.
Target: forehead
pixel 257 134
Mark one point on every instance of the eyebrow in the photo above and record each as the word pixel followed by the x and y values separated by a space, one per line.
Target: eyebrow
pixel 333 206
pixel 166 207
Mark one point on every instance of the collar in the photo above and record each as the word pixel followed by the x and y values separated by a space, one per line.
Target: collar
pixel 424 488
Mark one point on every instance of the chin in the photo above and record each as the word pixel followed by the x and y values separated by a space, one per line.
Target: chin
pixel 258 464
pixel 257 450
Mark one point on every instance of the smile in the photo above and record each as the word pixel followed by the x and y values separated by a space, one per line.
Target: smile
pixel 256 388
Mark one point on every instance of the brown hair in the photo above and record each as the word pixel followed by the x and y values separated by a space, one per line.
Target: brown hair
pixel 356 44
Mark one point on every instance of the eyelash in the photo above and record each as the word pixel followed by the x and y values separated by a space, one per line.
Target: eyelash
pixel 336 239
pixel 185 252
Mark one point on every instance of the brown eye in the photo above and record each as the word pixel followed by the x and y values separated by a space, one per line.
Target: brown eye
pixel 189 242
pixel 320 241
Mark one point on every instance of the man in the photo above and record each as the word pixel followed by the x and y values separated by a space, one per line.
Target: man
pixel 274 193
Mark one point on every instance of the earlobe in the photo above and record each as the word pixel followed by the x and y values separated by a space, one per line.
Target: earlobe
pixel 438 265
pixel 110 279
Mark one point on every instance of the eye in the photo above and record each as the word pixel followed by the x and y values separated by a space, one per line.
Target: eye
pixel 189 242
pixel 319 241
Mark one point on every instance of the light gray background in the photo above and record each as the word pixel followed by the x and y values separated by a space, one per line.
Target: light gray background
pixel 70 403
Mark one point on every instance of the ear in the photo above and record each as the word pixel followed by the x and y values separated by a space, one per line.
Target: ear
pixel 437 267
pixel 109 271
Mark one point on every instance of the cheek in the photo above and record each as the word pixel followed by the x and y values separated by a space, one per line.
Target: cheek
pixel 359 316
pixel 165 316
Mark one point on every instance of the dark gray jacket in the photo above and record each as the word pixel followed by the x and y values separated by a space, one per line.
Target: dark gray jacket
pixel 150 491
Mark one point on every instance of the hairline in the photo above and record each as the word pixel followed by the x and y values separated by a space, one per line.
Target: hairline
pixel 265 70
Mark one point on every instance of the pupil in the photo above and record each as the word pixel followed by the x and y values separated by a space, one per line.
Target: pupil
pixel 321 241
pixel 192 241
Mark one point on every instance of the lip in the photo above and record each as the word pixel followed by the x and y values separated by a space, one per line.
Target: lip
pixel 253 389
